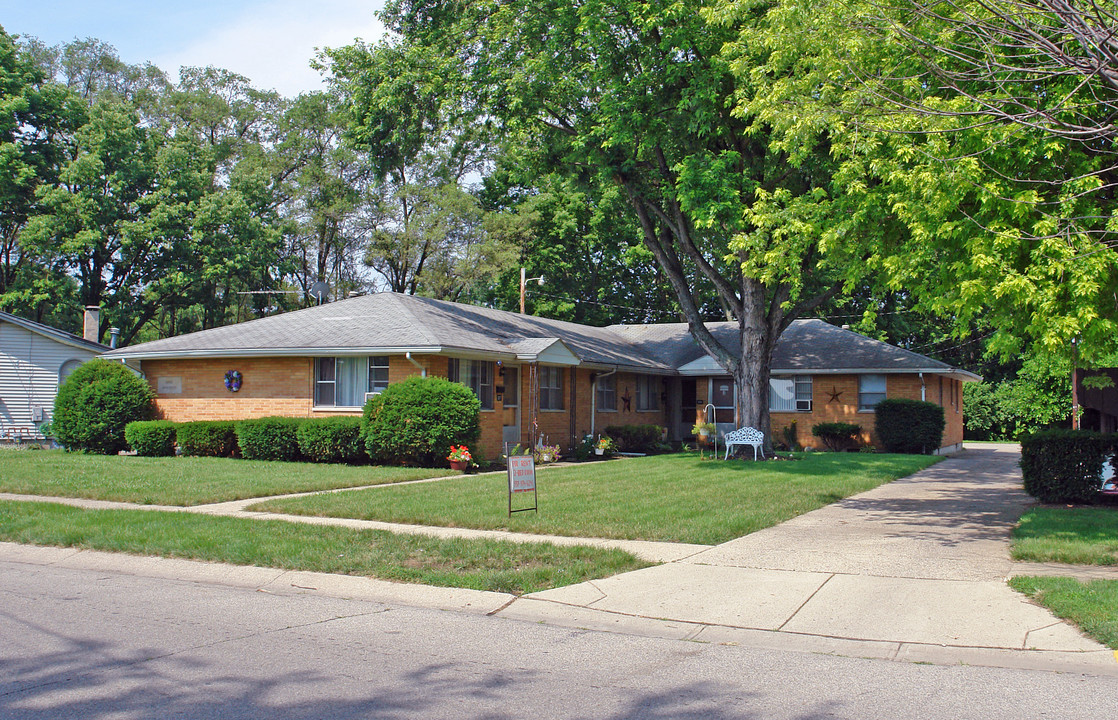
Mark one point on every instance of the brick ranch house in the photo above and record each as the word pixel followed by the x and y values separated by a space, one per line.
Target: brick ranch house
pixel 562 380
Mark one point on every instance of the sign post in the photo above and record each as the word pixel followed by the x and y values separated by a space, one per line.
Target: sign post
pixel 522 479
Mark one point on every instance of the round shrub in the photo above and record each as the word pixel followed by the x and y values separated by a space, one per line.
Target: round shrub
pixel 95 404
pixel 837 436
pixel 270 438
pixel 415 422
pixel 635 438
pixel 207 438
pixel 1063 466
pixel 151 438
pixel 332 440
pixel 909 426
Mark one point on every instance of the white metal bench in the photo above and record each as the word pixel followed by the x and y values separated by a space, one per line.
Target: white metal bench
pixel 745 436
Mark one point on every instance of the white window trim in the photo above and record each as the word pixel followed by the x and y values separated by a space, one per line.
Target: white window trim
pixel 560 388
pixel 884 395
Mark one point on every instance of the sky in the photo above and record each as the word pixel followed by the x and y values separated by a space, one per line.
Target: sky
pixel 269 41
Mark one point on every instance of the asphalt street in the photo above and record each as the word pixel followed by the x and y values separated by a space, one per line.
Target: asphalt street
pixel 83 643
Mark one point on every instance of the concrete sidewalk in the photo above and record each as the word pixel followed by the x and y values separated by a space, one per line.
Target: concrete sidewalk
pixel 913 570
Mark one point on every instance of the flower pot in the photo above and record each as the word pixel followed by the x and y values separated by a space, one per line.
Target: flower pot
pixel 599 451
pixel 459 465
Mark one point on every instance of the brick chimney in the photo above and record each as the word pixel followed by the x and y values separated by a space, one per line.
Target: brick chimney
pixel 91 324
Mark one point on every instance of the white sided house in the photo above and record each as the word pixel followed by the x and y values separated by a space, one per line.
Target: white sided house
pixel 34 360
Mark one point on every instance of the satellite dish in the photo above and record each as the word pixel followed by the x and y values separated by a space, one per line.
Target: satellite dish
pixel 320 291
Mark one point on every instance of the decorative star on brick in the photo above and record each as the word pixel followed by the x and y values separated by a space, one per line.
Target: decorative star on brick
pixel 835 395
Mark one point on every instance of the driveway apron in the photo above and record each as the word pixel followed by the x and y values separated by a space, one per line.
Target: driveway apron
pixel 919 561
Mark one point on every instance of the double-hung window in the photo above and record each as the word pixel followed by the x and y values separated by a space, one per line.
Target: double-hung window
pixel 648 393
pixel 551 388
pixel 476 375
pixel 790 393
pixel 871 391
pixel 344 381
pixel 378 373
pixel 607 392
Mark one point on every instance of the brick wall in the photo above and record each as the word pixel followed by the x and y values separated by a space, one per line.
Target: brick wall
pixel 271 386
pixel 845 409
pixel 626 385
pixel 285 386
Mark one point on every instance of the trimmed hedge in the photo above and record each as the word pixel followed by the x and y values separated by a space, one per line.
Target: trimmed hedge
pixel 415 422
pixel 332 440
pixel 635 438
pixel 1063 466
pixel 909 426
pixel 837 436
pixel 207 438
pixel 151 438
pixel 270 438
pixel 95 404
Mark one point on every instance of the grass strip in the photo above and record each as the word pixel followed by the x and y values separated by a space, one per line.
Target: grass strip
pixel 477 564
pixel 1076 535
pixel 678 498
pixel 181 480
pixel 1093 606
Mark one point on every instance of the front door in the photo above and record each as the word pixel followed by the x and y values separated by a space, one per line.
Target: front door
pixel 688 407
pixel 510 430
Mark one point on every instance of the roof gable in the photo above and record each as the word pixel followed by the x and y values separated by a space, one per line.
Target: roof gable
pixel 55 334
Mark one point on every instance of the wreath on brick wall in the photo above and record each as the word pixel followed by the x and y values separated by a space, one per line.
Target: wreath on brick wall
pixel 233 380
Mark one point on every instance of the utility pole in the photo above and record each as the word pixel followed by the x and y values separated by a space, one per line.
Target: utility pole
pixel 1074 389
pixel 523 283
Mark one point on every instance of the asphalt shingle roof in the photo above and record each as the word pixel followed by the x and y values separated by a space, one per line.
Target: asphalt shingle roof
pixel 809 344
pixel 394 322
pixel 391 321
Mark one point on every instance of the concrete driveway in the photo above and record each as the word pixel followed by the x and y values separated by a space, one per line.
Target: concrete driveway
pixel 913 569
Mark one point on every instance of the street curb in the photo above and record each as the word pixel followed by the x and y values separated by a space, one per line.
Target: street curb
pixel 525 609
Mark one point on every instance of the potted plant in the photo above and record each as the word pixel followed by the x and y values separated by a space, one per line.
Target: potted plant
pixel 604 446
pixel 459 457
pixel 704 430
pixel 546 454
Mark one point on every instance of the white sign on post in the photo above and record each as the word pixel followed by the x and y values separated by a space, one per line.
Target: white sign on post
pixel 522 479
pixel 522 473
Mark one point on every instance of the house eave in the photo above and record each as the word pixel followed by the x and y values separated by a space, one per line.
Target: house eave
pixel 270 352
pixel 962 375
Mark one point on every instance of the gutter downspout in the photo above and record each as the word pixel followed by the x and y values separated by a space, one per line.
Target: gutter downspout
pixel 594 398
pixel 923 390
pixel 422 370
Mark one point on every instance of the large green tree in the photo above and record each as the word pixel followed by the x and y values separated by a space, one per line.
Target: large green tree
pixel 135 215
pixel 998 223
pixel 36 118
pixel 640 96
pixel 425 226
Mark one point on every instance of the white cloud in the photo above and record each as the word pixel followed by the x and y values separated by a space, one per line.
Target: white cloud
pixel 273 42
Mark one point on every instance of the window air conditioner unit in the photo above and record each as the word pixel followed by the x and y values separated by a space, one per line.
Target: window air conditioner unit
pixel 803 406
pixel 370 395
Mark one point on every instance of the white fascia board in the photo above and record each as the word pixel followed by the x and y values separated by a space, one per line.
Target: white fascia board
pixel 557 353
pixel 952 372
pixel 632 368
pixel 698 368
pixel 706 365
pixel 267 352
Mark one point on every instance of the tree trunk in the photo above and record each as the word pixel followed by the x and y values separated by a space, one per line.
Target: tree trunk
pixel 758 332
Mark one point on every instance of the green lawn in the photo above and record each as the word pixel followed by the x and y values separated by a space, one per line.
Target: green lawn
pixel 1093 606
pixel 677 498
pixel 180 480
pixel 478 564
pixel 1078 535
